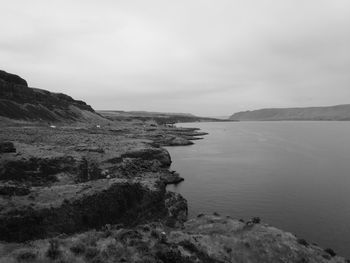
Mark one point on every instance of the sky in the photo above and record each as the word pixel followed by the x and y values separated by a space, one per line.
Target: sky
pixel 210 58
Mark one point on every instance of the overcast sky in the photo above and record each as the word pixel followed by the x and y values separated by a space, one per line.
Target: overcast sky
pixel 209 58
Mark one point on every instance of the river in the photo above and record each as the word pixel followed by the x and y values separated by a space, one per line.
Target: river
pixel 293 175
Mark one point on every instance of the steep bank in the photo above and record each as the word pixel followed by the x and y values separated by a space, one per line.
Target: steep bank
pixel 18 101
pixel 338 112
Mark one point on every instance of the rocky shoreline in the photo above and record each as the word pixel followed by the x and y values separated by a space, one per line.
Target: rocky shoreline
pixel 88 194
pixel 76 186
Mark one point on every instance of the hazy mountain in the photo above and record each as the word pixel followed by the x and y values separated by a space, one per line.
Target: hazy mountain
pixel 338 112
pixel 159 117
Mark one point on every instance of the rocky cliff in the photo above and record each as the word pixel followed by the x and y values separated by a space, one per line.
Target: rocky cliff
pixel 338 112
pixel 18 101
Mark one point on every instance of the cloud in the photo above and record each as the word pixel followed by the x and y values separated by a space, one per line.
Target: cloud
pixel 194 56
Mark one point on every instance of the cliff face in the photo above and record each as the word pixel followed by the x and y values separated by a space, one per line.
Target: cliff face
pixel 18 101
pixel 339 112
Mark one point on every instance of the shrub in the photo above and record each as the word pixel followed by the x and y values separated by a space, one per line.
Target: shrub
pixel 330 252
pixel 26 255
pixel 303 242
pixel 91 252
pixel 78 248
pixel 53 252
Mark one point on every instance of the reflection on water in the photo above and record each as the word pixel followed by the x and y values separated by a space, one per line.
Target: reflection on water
pixel 294 175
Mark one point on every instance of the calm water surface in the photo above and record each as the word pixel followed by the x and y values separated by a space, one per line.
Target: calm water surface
pixel 294 175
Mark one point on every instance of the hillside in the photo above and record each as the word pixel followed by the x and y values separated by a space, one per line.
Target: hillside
pixel 330 113
pixel 158 117
pixel 20 102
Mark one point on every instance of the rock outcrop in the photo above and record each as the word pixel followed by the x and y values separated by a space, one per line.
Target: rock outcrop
pixel 80 207
pixel 13 79
pixel 18 101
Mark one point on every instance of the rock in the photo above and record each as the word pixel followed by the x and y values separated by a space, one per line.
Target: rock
pixel 18 101
pixel 12 78
pixel 7 147
pixel 72 208
pixel 330 252
pixel 171 178
pixel 179 141
pixel 159 154
pixel 253 221
pixel 177 210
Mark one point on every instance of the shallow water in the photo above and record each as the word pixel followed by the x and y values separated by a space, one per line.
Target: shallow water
pixel 294 175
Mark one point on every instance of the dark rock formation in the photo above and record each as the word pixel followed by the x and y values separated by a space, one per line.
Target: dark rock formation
pixel 179 141
pixel 171 178
pixel 79 207
pixel 17 101
pixel 177 210
pixel 12 78
pixel 159 154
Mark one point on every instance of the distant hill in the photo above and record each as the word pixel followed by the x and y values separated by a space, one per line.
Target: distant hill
pixel 20 102
pixel 159 117
pixel 330 113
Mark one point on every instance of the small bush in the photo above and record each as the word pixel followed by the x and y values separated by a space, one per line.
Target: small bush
pixel 330 252
pixel 54 251
pixel 256 220
pixel 26 255
pixel 303 242
pixel 91 252
pixel 155 234
pixel 90 238
pixel 170 222
pixel 186 244
pixel 78 248
pixel 228 249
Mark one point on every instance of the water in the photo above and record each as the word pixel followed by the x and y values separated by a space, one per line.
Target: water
pixel 294 175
